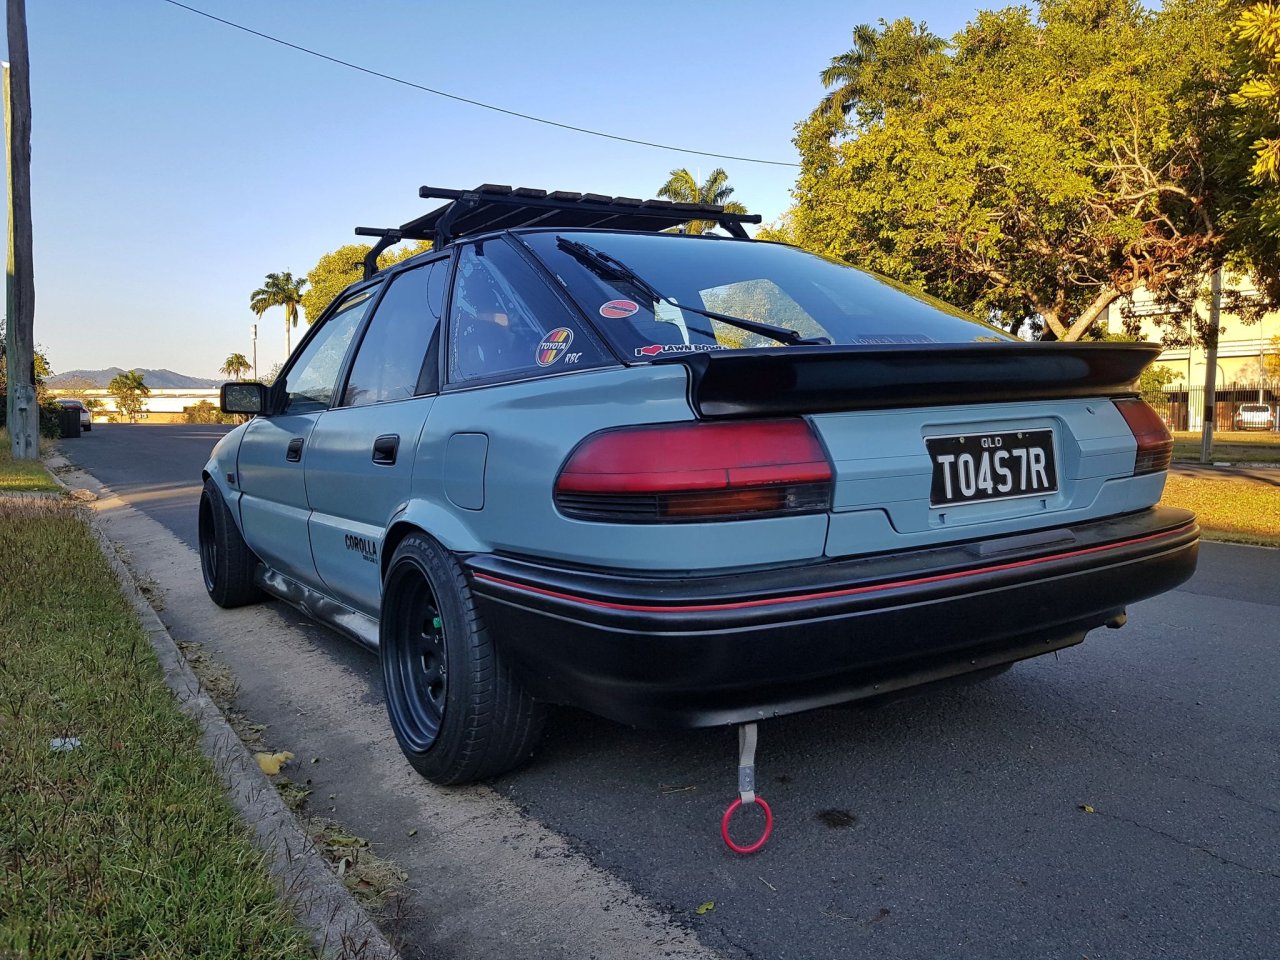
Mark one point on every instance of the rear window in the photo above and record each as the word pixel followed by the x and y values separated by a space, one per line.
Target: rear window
pixel 765 282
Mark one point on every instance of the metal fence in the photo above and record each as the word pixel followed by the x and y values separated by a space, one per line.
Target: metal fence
pixel 1183 408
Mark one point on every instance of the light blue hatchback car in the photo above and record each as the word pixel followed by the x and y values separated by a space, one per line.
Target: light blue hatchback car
pixel 567 457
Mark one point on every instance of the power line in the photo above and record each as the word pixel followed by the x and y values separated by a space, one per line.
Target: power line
pixel 474 103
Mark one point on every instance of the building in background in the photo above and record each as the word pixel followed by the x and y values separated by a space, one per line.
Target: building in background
pixel 1247 353
pixel 164 405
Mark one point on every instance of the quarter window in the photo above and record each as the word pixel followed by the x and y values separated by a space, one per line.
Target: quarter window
pixel 506 323
pixel 398 355
pixel 312 379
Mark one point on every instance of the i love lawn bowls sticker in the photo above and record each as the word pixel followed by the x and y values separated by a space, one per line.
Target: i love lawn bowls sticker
pixel 554 345
pixel 618 309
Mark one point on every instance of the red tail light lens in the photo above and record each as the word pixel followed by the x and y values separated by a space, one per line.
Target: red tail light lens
pixel 1155 445
pixel 696 471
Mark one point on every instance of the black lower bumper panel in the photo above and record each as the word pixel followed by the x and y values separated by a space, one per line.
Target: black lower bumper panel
pixel 664 651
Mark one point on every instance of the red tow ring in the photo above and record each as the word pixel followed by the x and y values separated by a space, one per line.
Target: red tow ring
pixel 751 847
pixel 746 792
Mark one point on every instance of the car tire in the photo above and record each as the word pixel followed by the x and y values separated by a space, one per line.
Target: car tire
pixel 458 711
pixel 86 427
pixel 226 561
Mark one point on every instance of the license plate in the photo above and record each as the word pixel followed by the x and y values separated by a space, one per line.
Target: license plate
pixel 991 466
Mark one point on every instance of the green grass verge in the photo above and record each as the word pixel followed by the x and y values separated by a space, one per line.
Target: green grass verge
pixel 22 476
pixel 1238 511
pixel 1230 446
pixel 126 845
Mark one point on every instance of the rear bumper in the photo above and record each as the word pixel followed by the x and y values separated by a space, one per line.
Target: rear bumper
pixel 702 651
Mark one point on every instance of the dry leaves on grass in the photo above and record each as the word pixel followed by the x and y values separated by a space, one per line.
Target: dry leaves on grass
pixel 1228 508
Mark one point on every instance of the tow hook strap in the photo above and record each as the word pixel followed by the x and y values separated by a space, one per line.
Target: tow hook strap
pixel 746 792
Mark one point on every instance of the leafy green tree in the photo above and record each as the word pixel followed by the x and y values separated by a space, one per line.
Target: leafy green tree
pixel 130 393
pixel 338 269
pixel 269 377
pixel 781 230
pixel 682 187
pixel 206 412
pixel 1257 32
pixel 43 371
pixel 235 366
pixel 280 290
pixel 1053 163
pixel 1154 379
pixel 1271 361
pixel 1256 124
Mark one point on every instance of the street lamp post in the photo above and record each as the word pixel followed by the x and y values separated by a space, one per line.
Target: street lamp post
pixel 1211 367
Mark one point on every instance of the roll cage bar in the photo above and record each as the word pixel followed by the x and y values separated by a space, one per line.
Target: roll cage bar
pixel 495 207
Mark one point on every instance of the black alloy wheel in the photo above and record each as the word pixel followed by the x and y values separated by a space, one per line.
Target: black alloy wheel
pixel 226 562
pixel 458 712
pixel 418 676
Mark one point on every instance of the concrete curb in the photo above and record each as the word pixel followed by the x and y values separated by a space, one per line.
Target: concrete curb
pixel 338 926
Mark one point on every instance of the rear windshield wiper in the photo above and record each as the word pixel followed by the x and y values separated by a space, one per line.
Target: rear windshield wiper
pixel 610 267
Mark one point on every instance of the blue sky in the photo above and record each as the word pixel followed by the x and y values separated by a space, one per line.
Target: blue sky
pixel 177 161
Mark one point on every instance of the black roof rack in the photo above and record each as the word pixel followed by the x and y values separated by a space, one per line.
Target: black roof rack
pixel 495 207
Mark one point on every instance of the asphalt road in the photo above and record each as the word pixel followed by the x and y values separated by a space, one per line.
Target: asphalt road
pixel 951 825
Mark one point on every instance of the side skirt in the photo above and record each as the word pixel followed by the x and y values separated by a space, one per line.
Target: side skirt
pixel 325 610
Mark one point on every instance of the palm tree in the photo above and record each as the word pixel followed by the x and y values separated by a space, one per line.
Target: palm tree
pixel 280 290
pixel 880 69
pixel 236 365
pixel 681 187
pixel 848 71
pixel 130 392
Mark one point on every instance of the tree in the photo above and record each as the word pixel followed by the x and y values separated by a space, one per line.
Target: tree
pixel 1051 165
pixel 1257 32
pixel 130 393
pixel 235 366
pixel 1154 379
pixel 269 377
pixel 883 68
pixel 280 290
pixel 1271 361
pixel 848 71
pixel 681 187
pixel 43 370
pixel 338 269
pixel 1256 123
pixel 206 412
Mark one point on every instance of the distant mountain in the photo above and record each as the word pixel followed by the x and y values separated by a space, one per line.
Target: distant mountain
pixel 158 379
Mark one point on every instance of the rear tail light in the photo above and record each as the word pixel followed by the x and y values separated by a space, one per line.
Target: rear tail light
pixel 1155 445
pixel 684 472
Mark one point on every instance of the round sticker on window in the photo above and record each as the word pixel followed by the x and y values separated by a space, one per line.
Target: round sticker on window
pixel 617 309
pixel 554 345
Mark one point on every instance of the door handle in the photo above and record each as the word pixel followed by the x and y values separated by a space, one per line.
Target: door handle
pixel 385 448
pixel 294 452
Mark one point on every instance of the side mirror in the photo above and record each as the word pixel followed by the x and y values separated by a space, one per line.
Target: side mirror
pixel 242 398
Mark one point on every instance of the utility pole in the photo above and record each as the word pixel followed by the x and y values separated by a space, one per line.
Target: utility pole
pixel 253 335
pixel 20 294
pixel 1211 367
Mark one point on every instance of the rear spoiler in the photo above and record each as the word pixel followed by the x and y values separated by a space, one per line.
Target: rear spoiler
pixel 775 381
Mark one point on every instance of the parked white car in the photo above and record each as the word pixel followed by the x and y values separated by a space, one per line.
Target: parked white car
pixel 1255 416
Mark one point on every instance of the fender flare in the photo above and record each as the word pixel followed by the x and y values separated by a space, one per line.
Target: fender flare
pixel 444 526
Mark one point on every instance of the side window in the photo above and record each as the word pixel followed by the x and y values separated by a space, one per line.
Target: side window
pixel 404 332
pixel 506 323
pixel 313 378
